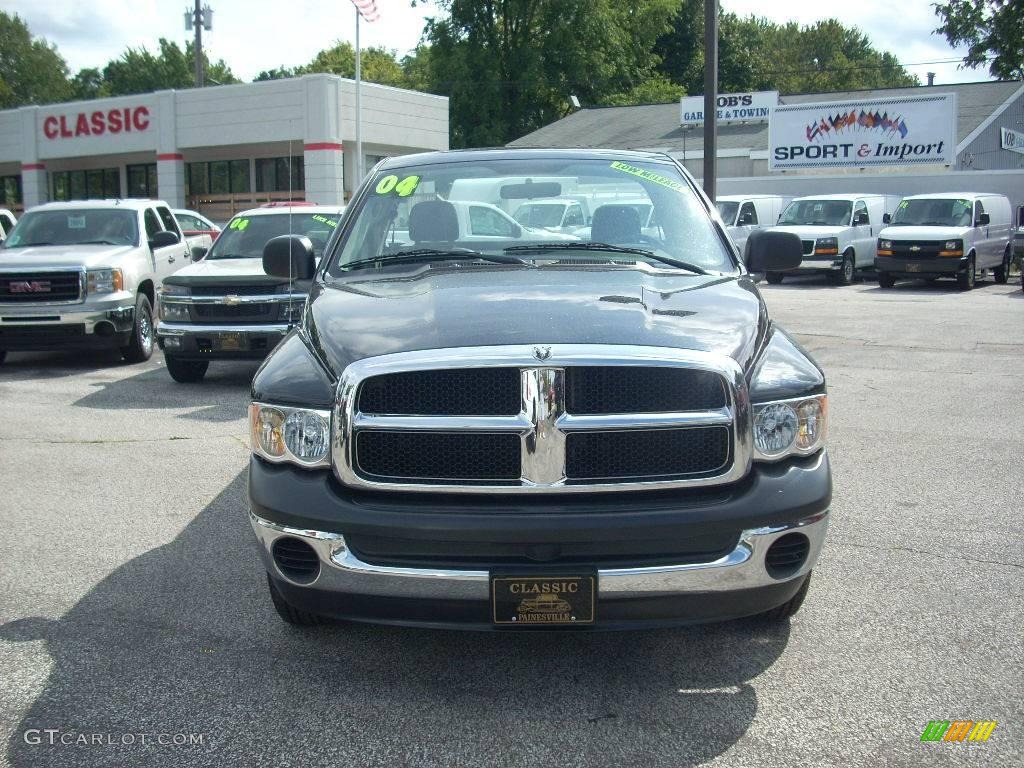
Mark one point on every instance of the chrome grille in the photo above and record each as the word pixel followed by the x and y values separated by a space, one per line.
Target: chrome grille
pixel 41 287
pixel 567 418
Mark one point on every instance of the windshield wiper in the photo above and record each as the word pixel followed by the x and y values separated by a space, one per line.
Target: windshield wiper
pixel 605 247
pixel 433 254
pixel 232 256
pixel 98 242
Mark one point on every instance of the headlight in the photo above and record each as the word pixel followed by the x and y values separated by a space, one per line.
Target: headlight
pixel 173 311
pixel 954 245
pixel 790 427
pixel 885 245
pixel 174 290
pixel 826 245
pixel 104 281
pixel 298 435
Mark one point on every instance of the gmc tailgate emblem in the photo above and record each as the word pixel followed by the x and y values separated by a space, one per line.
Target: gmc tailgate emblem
pixel 29 286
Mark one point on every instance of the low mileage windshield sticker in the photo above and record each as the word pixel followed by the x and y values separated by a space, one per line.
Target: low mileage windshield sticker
pixel 324 220
pixel 402 188
pixel 646 175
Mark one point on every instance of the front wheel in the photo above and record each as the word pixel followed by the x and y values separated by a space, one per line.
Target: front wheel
pixel 186 371
pixel 1002 272
pixel 846 272
pixel 289 613
pixel 886 280
pixel 140 345
pixel 774 278
pixel 3 356
pixel 788 608
pixel 967 279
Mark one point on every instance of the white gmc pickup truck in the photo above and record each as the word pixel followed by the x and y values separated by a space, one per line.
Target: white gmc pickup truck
pixel 86 274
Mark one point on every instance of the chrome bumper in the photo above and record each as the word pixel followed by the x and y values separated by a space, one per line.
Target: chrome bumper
pixel 341 571
pixel 164 328
pixel 119 309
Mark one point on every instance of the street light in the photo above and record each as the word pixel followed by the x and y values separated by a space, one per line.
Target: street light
pixel 197 19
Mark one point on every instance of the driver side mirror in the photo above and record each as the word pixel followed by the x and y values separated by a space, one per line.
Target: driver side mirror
pixel 199 252
pixel 767 251
pixel 983 220
pixel 860 219
pixel 290 257
pixel 162 239
pixel 886 218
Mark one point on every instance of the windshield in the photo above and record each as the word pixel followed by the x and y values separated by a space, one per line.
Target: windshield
pixel 933 213
pixel 245 236
pixel 78 226
pixel 462 209
pixel 727 210
pixel 540 214
pixel 831 213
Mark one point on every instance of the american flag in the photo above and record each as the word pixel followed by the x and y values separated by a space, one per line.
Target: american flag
pixel 367 9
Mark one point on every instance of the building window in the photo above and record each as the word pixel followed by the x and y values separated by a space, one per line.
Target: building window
pixel 219 177
pixel 10 190
pixel 87 185
pixel 280 174
pixel 142 181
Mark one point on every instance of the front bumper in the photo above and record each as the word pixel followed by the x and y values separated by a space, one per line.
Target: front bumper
pixel 946 266
pixel 94 324
pixel 776 501
pixel 190 341
pixel 818 264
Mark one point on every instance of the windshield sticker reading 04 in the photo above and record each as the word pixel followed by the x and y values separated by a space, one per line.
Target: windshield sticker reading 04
pixel 649 176
pixel 402 188
pixel 239 224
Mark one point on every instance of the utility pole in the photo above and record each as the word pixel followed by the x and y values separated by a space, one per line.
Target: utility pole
pixel 198 19
pixel 710 97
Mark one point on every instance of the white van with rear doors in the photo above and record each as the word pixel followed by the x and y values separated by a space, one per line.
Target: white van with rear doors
pixel 742 214
pixel 947 234
pixel 838 233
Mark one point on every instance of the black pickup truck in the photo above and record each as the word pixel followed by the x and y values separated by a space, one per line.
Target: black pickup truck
pixel 476 426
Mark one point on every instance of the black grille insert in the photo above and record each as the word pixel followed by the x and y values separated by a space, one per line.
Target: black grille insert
pixel 457 392
pixel 39 287
pixel 296 559
pixel 253 312
pixel 237 290
pixel 438 456
pixel 786 555
pixel 648 454
pixel 635 389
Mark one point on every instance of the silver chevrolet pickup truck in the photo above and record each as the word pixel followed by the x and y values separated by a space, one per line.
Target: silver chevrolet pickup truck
pixel 225 307
pixel 86 275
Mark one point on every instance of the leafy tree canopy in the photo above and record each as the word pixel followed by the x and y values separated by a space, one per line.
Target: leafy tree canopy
pixel 993 30
pixel 377 65
pixel 31 70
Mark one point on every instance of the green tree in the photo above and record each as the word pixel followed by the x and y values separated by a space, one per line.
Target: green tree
pixel 993 31
pixel 278 73
pixel 377 65
pixel 89 84
pixel 416 69
pixel 139 71
pixel 31 70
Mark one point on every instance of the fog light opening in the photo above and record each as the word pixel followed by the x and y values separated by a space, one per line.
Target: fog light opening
pixel 104 329
pixel 787 555
pixel 295 559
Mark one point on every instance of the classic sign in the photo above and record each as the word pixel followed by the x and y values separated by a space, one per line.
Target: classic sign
pixel 732 107
pixel 96 123
pixel 904 130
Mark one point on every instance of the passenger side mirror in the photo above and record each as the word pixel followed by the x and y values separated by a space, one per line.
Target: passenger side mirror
pixel 517 231
pixel 162 239
pixel 886 218
pixel 767 251
pixel 199 252
pixel 983 220
pixel 290 257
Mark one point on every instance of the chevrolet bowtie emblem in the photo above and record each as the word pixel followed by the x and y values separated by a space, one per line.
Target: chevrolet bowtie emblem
pixel 232 300
pixel 915 247
pixel 542 353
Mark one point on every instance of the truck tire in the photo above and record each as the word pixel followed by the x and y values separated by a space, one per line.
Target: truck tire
pixel 774 278
pixel 886 280
pixel 289 613
pixel 848 272
pixel 186 371
pixel 788 608
pixel 1002 272
pixel 140 345
pixel 3 356
pixel 967 279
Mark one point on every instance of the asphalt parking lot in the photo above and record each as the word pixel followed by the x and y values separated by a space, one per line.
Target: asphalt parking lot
pixel 132 600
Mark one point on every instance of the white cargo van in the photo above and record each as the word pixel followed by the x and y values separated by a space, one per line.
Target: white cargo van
pixel 742 214
pixel 947 234
pixel 838 232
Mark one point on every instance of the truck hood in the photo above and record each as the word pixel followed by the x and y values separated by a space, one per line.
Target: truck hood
pixel 362 316
pixel 924 233
pixel 809 231
pixel 63 256
pixel 224 271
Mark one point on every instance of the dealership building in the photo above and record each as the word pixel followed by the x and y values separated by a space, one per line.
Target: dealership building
pixel 980 127
pixel 217 150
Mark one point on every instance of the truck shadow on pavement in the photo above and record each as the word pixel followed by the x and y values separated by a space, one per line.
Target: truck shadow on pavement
pixel 183 640
pixel 222 396
pixel 25 366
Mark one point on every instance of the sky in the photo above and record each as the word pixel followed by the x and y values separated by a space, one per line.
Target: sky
pixel 254 35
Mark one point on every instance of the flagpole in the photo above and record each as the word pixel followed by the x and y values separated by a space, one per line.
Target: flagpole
pixel 359 111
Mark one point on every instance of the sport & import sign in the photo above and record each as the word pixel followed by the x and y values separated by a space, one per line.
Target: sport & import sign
pixel 901 130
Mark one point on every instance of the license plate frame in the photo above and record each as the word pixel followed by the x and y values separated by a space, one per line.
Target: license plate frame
pixel 913 268
pixel 229 342
pixel 547 599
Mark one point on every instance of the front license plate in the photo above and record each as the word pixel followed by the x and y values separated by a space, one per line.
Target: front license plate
pixel 543 600
pixel 913 267
pixel 229 342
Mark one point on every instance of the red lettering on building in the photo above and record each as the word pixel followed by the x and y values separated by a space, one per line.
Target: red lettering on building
pixel 96 123
pixel 50 127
